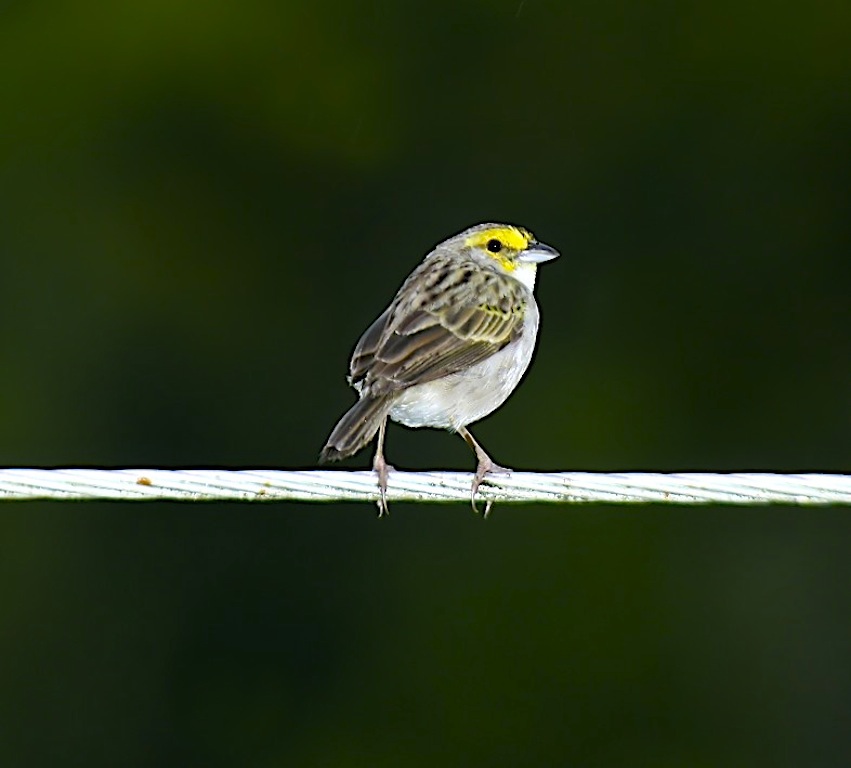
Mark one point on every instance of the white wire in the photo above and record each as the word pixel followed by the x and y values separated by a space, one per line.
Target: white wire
pixel 334 485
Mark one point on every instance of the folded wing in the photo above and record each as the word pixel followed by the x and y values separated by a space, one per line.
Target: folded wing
pixel 471 317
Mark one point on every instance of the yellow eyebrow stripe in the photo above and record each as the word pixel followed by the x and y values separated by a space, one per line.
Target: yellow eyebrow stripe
pixel 514 238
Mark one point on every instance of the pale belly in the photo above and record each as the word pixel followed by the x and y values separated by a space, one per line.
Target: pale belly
pixel 465 397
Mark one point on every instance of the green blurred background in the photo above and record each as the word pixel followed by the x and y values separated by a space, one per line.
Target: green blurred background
pixel 203 204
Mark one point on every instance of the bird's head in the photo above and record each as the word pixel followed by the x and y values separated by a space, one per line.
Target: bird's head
pixel 513 250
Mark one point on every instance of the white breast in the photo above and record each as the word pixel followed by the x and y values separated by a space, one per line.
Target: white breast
pixel 467 396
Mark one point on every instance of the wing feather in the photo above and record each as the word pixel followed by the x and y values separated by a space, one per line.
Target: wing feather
pixel 364 354
pixel 473 314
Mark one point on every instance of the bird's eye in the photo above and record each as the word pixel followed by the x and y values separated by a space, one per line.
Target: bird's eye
pixel 494 246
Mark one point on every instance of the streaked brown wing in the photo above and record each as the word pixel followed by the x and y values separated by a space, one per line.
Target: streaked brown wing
pixel 367 346
pixel 463 326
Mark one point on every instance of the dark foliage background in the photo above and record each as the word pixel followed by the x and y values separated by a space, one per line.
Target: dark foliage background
pixel 201 207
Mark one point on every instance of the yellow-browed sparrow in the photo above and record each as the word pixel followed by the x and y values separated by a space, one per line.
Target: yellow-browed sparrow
pixel 450 348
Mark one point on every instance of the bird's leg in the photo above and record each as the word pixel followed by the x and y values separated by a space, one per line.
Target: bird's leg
pixel 382 468
pixel 485 467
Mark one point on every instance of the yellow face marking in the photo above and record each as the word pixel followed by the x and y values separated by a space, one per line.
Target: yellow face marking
pixel 512 241
pixel 513 238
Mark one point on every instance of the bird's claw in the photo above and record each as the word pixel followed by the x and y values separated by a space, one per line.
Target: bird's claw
pixel 382 469
pixel 482 471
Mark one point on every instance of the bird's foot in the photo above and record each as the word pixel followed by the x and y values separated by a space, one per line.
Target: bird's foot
pixel 486 467
pixel 382 469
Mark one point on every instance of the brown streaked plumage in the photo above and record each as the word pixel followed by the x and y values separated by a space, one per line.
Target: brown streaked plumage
pixel 450 348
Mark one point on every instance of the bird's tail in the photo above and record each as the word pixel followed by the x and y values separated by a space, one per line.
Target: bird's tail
pixel 357 427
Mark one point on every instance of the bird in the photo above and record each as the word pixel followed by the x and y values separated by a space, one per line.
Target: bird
pixel 451 347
